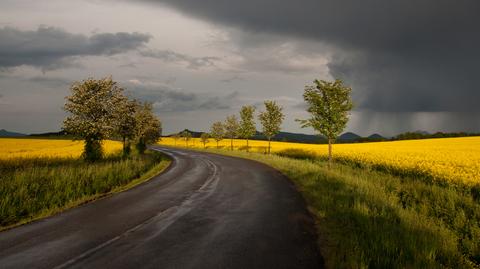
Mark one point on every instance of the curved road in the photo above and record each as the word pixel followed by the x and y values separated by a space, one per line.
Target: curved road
pixel 205 211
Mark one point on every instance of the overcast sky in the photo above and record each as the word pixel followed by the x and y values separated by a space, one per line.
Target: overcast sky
pixel 413 65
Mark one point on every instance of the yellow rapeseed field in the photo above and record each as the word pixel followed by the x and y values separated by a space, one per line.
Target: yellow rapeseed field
pixel 454 159
pixel 28 148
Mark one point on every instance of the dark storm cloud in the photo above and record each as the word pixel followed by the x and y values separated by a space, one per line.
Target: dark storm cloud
pixel 168 99
pixel 51 48
pixel 399 56
pixel 175 57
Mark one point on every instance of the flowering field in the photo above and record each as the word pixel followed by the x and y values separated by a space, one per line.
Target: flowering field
pixel 27 148
pixel 456 160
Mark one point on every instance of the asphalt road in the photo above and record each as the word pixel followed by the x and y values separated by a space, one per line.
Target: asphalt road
pixel 205 211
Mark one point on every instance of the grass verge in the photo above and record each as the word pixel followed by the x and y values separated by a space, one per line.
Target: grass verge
pixel 371 219
pixel 39 187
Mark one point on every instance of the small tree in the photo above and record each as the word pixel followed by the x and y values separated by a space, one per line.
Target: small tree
pixel 148 127
pixel 125 122
pixel 186 136
pixel 175 138
pixel 271 120
pixel 247 123
pixel 204 138
pixel 329 104
pixel 231 128
pixel 92 107
pixel 217 132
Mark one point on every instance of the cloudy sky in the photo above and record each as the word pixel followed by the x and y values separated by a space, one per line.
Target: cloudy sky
pixel 413 65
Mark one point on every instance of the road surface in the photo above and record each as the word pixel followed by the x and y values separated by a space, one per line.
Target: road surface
pixel 204 211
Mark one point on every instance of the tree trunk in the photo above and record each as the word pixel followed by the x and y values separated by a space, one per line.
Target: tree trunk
pixel 217 144
pixel 92 149
pixel 330 152
pixel 124 146
pixel 269 145
pixel 247 144
pixel 141 146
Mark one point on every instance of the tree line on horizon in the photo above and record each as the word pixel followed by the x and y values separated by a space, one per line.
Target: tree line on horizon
pixel 99 109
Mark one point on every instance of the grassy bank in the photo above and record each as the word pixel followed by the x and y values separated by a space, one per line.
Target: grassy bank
pixel 372 219
pixel 31 188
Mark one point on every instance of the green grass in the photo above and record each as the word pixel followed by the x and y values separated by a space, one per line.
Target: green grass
pixel 38 187
pixel 371 219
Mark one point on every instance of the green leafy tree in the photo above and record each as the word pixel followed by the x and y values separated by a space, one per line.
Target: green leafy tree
pixel 247 123
pixel 231 126
pixel 148 127
pixel 125 122
pixel 271 120
pixel 329 104
pixel 204 138
pixel 186 135
pixel 92 109
pixel 217 132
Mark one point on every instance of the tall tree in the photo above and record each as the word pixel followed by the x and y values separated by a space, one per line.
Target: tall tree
pixel 125 122
pixel 204 138
pixel 148 127
pixel 231 128
pixel 217 132
pixel 247 123
pixel 329 104
pixel 92 108
pixel 271 119
pixel 186 135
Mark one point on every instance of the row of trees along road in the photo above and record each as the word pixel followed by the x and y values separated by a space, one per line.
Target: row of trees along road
pixel 271 120
pixel 99 109
pixel 328 104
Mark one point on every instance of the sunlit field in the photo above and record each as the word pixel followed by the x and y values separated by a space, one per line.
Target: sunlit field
pixel 376 205
pixel 456 160
pixel 40 177
pixel 29 148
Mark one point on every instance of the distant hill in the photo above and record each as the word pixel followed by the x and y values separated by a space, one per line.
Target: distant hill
pixel 293 137
pixel 375 136
pixel 194 133
pixel 348 137
pixel 5 133
pixel 426 135
pixel 51 134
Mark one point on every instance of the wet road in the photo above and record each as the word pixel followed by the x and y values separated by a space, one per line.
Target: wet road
pixel 204 211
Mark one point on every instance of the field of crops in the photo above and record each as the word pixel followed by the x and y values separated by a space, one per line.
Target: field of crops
pixel 39 177
pixel 29 148
pixel 456 160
